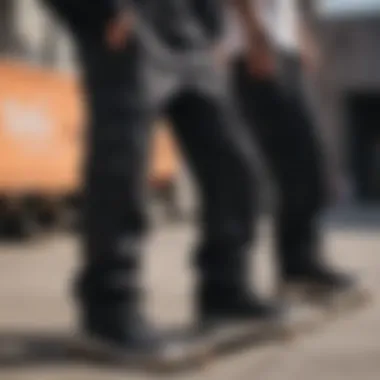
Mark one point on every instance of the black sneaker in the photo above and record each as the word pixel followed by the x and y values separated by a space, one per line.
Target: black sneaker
pixel 320 285
pixel 111 335
pixel 232 316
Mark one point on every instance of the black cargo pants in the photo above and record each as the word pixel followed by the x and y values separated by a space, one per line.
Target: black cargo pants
pixel 282 126
pixel 125 94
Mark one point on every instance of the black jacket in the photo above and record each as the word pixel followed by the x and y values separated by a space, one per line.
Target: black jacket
pixel 90 16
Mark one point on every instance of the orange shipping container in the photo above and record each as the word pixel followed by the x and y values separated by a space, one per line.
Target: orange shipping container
pixel 40 116
pixel 41 125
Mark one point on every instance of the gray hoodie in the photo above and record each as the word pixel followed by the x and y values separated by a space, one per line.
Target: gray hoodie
pixel 181 24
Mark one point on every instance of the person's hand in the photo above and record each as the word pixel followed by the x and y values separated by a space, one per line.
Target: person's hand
pixel 311 56
pixel 261 60
pixel 311 61
pixel 221 55
pixel 119 30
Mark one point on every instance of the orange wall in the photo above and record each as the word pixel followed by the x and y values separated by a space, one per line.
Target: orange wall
pixel 41 124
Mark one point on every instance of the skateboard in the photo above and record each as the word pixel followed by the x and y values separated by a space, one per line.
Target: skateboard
pixel 188 348
pixel 194 347
pixel 203 345
pixel 200 346
pixel 302 318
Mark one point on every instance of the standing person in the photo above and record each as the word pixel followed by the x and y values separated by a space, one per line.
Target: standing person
pixel 138 60
pixel 275 107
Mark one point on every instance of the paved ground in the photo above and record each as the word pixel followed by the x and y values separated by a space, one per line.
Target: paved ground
pixel 34 308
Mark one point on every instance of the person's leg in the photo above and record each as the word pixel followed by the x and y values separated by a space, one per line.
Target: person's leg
pixel 280 122
pixel 109 289
pixel 216 150
pixel 304 195
pixel 289 147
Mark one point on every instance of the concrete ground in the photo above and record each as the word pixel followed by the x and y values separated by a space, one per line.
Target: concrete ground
pixel 35 310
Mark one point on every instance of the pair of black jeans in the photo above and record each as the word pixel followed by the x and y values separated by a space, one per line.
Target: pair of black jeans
pixel 280 122
pixel 208 131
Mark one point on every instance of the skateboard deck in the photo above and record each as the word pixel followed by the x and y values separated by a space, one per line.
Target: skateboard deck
pixel 302 319
pixel 201 346
pixel 205 345
pixel 192 347
pixel 187 348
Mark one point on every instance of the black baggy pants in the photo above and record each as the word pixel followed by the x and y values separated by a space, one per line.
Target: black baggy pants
pixel 282 126
pixel 124 95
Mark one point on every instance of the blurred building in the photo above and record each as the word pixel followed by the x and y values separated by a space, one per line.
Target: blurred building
pixel 29 34
pixel 350 33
